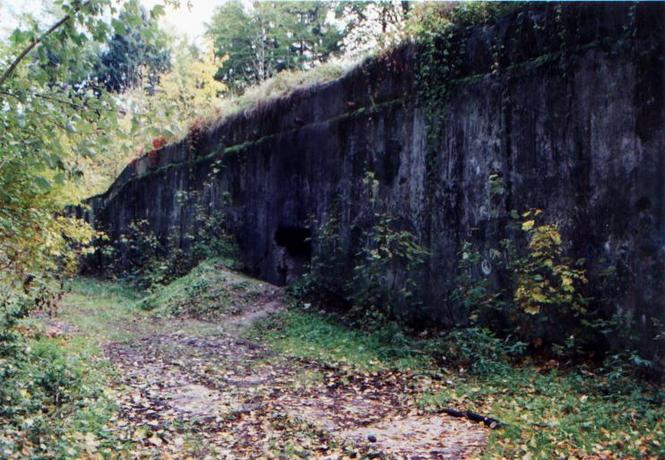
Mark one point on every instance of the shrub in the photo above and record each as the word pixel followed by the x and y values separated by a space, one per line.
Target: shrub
pixel 545 280
pixel 325 280
pixel 537 293
pixel 385 276
pixel 147 262
pixel 476 349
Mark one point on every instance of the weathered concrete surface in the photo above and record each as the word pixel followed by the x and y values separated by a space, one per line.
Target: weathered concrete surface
pixel 572 120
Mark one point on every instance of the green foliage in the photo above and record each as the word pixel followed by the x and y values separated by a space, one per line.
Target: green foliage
pixel 325 278
pixel 142 253
pixel 51 129
pixel 475 349
pixel 50 393
pixel 551 413
pixel 137 46
pixel 148 263
pixel 48 390
pixel 54 400
pixel 260 41
pixel 210 238
pixel 385 277
pixel 536 293
pixel 544 279
pixel 285 82
pixel 472 291
pixel 304 334
pixel 381 283
pixel 210 290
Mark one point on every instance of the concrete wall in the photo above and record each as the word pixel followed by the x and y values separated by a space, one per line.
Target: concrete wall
pixel 573 121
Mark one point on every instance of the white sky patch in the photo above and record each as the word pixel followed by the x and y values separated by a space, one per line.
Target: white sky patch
pixel 183 20
pixel 188 21
pixel 11 12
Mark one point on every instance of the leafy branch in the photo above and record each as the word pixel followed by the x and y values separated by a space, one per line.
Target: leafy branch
pixel 36 41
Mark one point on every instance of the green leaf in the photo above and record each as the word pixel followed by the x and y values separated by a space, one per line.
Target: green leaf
pixel 42 183
pixel 118 27
pixel 157 11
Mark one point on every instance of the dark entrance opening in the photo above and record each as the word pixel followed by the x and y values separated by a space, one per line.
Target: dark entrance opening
pixel 296 241
pixel 296 252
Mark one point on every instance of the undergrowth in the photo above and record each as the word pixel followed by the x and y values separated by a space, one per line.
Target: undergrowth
pixel 53 392
pixel 552 413
pixel 550 409
pixel 319 336
pixel 211 289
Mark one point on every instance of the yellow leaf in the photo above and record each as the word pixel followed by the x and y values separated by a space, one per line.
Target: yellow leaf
pixel 532 309
pixel 155 440
pixel 528 225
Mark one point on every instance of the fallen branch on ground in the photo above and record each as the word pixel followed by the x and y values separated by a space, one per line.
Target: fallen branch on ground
pixel 475 417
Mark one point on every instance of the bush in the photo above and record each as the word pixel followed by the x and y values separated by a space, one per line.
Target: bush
pixel 46 390
pixel 384 276
pixel 148 263
pixel 56 375
pixel 475 349
pixel 535 293
pixel 384 281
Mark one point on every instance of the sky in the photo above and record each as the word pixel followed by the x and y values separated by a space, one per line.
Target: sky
pixel 185 20
pixel 188 21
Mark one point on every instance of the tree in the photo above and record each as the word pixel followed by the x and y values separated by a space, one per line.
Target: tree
pixel 187 95
pixel 371 26
pixel 137 51
pixel 268 37
pixel 47 127
pixel 190 87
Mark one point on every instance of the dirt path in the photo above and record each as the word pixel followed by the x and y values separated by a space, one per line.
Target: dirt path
pixel 192 389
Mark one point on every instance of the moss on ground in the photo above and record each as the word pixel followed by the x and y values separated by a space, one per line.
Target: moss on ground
pixel 210 290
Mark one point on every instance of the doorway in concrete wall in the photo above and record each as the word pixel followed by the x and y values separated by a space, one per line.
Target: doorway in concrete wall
pixel 294 251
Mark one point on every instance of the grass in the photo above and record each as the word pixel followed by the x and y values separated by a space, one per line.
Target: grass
pixel 286 82
pixel 61 407
pixel 549 413
pixel 97 307
pixel 318 336
pixel 561 414
pixel 57 403
pixel 209 290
